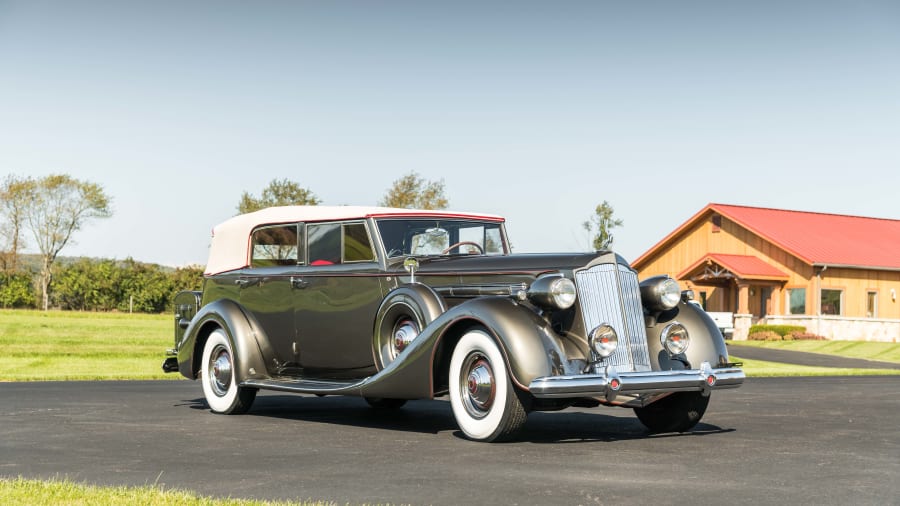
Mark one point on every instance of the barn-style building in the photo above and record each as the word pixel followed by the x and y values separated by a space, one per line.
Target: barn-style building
pixel 838 276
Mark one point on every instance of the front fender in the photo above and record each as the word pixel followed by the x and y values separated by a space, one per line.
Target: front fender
pixel 526 340
pixel 707 343
pixel 241 328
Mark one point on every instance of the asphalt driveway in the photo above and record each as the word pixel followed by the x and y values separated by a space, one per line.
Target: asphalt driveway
pixel 774 440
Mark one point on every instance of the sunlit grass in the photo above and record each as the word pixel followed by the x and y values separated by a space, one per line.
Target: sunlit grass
pixel 69 345
pixel 884 352
pixel 20 491
pixel 761 368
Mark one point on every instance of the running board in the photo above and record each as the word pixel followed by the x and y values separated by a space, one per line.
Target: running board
pixel 308 386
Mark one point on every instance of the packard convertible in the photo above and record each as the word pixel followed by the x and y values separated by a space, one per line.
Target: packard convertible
pixel 397 304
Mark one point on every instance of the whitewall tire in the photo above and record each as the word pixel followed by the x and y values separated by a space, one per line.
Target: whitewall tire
pixel 217 376
pixel 482 396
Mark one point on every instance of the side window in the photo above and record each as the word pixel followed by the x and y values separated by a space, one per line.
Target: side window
pixel 273 246
pixel 324 243
pixel 357 247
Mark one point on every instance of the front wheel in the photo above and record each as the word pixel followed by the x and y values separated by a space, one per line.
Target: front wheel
pixel 217 376
pixel 678 412
pixel 482 396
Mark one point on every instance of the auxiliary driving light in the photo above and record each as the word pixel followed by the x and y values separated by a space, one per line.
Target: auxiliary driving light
pixel 675 338
pixel 604 340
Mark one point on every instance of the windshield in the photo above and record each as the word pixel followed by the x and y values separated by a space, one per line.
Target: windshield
pixel 441 237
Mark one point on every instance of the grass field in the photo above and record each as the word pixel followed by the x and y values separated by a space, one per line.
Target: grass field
pixel 35 492
pixel 884 352
pixel 67 345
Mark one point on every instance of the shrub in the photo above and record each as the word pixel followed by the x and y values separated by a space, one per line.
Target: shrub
pixel 16 291
pixel 781 330
pixel 766 335
pixel 804 336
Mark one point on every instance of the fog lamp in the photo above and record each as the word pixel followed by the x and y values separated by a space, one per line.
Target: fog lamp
pixel 604 340
pixel 675 338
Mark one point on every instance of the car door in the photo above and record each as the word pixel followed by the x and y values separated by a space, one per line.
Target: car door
pixel 340 294
pixel 266 290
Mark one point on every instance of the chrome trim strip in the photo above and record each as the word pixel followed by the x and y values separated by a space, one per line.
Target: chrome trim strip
pixel 650 382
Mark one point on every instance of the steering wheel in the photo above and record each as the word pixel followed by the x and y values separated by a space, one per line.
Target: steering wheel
pixel 463 243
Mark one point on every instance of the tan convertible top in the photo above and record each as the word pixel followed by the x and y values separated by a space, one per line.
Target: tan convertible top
pixel 230 246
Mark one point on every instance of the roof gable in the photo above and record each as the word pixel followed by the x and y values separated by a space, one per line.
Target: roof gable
pixel 739 266
pixel 815 238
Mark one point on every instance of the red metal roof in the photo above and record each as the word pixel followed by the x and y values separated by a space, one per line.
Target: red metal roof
pixel 815 238
pixel 742 266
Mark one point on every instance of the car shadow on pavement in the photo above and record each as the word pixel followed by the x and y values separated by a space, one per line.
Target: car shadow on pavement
pixel 581 427
pixel 421 416
pixel 434 417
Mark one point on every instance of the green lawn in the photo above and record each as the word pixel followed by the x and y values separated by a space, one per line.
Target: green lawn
pixel 884 352
pixel 34 492
pixel 68 345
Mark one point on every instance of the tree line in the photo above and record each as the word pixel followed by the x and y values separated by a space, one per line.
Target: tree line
pixel 90 284
pixel 50 210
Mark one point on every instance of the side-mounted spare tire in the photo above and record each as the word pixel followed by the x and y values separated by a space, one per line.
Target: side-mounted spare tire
pixel 401 317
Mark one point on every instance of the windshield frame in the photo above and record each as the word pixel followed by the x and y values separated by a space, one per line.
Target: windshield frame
pixel 390 244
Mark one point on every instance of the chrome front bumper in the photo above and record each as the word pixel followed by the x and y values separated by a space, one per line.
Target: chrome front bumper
pixel 612 383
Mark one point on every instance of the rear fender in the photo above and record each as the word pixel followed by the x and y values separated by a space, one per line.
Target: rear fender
pixel 240 327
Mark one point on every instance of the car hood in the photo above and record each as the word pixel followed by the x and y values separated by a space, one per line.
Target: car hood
pixel 532 263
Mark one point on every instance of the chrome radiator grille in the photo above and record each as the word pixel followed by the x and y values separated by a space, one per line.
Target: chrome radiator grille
pixel 609 293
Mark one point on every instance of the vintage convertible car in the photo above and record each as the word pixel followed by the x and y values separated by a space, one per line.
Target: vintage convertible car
pixel 397 304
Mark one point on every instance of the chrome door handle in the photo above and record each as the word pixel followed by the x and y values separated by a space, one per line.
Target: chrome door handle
pixel 298 283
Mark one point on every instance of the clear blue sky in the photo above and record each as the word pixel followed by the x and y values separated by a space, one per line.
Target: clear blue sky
pixel 534 110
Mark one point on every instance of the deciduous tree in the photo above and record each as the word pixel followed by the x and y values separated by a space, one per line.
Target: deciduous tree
pixel 412 191
pixel 13 200
pixel 600 224
pixel 279 192
pixel 58 206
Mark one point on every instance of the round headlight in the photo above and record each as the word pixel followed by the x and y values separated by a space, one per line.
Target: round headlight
pixel 553 292
pixel 660 293
pixel 562 290
pixel 604 340
pixel 675 338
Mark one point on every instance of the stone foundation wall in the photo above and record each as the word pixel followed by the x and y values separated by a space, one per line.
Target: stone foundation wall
pixel 838 328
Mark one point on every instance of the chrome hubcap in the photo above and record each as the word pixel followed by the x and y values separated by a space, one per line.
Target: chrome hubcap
pixel 405 331
pixel 477 385
pixel 220 370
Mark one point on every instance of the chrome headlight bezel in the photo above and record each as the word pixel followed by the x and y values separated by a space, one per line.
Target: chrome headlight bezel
pixel 660 293
pixel 675 338
pixel 553 292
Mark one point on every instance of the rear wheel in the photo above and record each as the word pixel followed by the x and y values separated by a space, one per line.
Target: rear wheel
pixel 678 412
pixel 217 377
pixel 482 396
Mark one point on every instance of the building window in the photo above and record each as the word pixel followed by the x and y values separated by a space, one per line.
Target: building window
pixel 796 301
pixel 716 223
pixel 872 304
pixel 703 300
pixel 831 301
